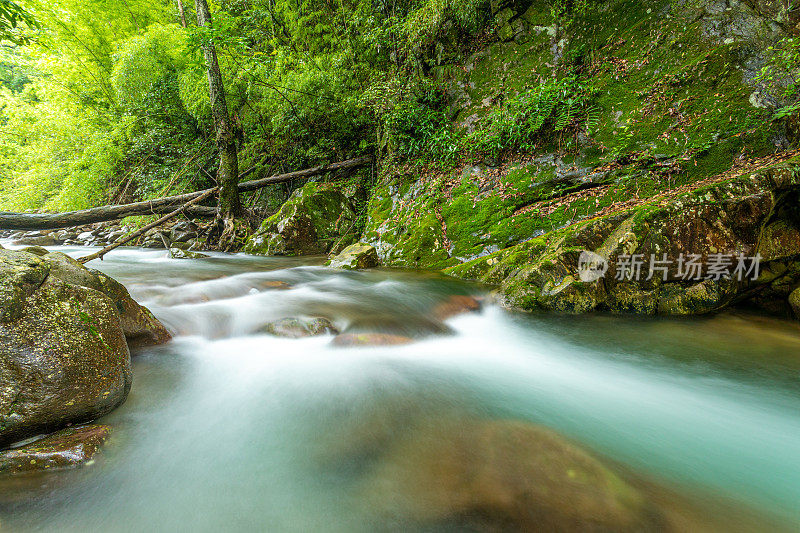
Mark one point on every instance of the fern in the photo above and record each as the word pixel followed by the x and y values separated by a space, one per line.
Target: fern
pixel 549 107
pixel 592 118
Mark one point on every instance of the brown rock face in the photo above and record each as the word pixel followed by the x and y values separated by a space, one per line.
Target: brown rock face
pixel 502 476
pixel 67 448
pixel 140 326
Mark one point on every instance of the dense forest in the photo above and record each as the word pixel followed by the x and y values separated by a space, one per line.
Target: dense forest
pixel 107 101
pixel 488 124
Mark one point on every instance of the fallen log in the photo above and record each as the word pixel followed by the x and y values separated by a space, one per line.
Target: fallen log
pixel 45 221
pixel 141 231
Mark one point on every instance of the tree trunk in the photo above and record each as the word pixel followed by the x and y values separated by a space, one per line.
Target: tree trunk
pixel 228 174
pixel 158 206
pixel 182 13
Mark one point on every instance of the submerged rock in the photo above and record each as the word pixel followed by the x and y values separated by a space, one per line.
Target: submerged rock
pixel 309 223
pixel 67 448
pixel 370 339
pixel 357 256
pixel 456 305
pixel 298 328
pixel 500 476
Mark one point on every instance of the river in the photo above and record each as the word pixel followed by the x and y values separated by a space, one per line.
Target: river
pixel 229 429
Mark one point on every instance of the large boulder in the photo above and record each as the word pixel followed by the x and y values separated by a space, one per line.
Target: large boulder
pixel 357 256
pixel 311 222
pixel 64 358
pixel 141 328
pixel 500 476
pixel 63 355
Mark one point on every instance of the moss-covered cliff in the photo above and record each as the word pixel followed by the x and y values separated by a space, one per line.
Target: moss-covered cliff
pixel 672 101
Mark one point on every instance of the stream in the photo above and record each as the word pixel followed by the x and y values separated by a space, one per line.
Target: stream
pixel 230 429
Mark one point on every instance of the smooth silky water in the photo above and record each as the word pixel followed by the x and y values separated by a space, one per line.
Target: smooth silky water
pixel 227 429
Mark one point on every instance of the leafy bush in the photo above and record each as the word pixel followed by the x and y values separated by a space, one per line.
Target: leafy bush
pixel 527 118
pixel 418 127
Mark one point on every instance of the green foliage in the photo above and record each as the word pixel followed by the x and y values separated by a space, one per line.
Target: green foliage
pixel 147 73
pixel 419 127
pixel 435 20
pixel 782 75
pixel 11 15
pixel 524 120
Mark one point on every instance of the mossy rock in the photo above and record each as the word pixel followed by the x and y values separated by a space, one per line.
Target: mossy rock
pixel 63 360
pixel 141 328
pixel 357 256
pixel 309 223
pixel 180 253
pixel 742 216
pixel 64 337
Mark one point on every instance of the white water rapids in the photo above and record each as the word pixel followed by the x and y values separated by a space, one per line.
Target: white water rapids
pixel 230 429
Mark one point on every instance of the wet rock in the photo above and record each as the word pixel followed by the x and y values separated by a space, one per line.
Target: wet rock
pixel 456 305
pixel 36 250
pixel 275 285
pixel 69 270
pixel 309 223
pixel 42 240
pixel 347 340
pixel 748 215
pixel 153 244
pixel 177 253
pixel 63 355
pixel 196 244
pixel 140 326
pixel 67 448
pixel 181 236
pixel 794 302
pixel 501 476
pixel 356 256
pixel 298 328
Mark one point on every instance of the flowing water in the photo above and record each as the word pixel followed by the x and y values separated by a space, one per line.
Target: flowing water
pixel 228 429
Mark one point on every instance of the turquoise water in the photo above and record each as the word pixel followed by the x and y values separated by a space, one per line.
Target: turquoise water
pixel 228 429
